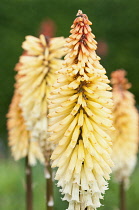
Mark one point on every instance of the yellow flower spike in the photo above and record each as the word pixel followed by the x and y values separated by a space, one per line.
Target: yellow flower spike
pixel 84 117
pixel 19 137
pixel 36 73
pixel 125 140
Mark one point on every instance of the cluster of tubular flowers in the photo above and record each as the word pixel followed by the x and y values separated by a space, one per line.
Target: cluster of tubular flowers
pixel 125 138
pixel 19 137
pixel 80 116
pixel 36 73
pixel 27 117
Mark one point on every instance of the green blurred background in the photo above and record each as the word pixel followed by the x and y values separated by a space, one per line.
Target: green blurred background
pixel 116 27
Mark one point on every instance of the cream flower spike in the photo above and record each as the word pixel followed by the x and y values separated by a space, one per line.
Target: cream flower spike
pixel 36 74
pixel 19 138
pixel 80 116
pixel 125 140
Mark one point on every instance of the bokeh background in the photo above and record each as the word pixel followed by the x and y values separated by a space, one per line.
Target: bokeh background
pixel 116 27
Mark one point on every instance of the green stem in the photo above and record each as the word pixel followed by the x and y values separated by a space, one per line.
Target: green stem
pixel 122 196
pixel 49 188
pixel 29 195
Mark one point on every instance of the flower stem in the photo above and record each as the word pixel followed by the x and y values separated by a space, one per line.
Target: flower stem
pixel 29 195
pixel 122 196
pixel 49 188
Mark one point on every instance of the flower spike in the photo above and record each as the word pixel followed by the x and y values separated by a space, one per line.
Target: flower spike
pixel 125 139
pixel 27 117
pixel 80 118
pixel 19 137
pixel 36 73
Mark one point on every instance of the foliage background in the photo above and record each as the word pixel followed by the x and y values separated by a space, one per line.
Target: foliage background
pixel 12 189
pixel 114 21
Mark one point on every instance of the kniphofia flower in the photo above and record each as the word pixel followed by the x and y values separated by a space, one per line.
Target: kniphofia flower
pixel 80 116
pixel 125 138
pixel 19 137
pixel 36 74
